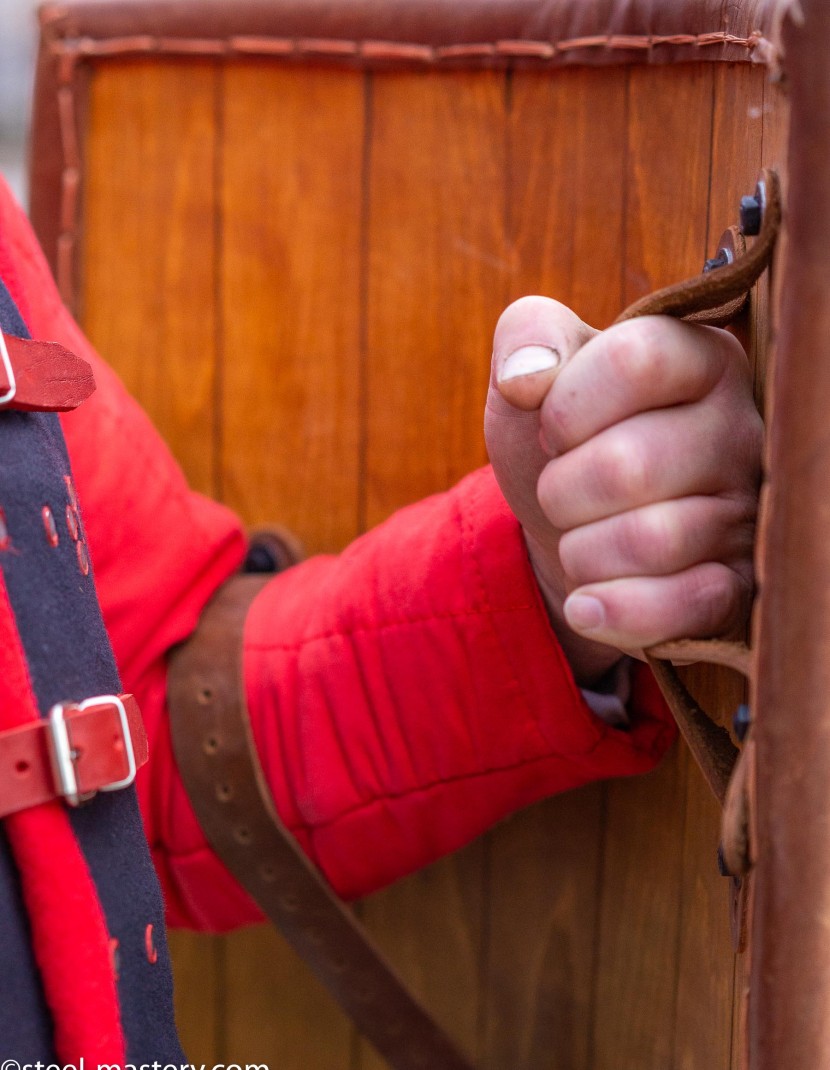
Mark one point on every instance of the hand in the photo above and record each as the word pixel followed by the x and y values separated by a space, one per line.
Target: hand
pixel 632 459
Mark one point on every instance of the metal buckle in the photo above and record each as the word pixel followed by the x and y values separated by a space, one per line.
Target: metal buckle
pixel 7 366
pixel 63 755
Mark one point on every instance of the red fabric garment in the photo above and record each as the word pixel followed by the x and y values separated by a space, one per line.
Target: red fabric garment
pixel 405 694
pixel 68 929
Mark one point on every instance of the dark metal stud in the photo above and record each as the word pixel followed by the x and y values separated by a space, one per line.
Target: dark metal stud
pixel 750 214
pixel 741 721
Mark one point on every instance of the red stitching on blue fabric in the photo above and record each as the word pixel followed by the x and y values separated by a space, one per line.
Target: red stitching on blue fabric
pixel 150 947
pixel 49 526
pixel 114 956
pixel 5 537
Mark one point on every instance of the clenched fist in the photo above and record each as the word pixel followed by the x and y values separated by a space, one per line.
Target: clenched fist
pixel 632 459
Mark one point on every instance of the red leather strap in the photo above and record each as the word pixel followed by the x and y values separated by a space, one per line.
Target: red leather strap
pixel 48 377
pixel 100 755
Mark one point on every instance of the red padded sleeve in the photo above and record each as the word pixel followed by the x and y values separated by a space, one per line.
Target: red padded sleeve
pixel 410 692
pixel 405 694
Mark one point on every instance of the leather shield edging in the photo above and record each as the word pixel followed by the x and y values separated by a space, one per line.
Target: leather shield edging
pixel 789 1025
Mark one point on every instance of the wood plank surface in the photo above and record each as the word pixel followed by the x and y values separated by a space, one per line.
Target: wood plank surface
pixel 199 985
pixel 291 214
pixel 275 1011
pixel 707 967
pixel 431 926
pixel 148 254
pixel 635 1012
pixel 544 876
pixel 566 195
pixel 706 961
pixel 566 146
pixel 292 204
pixel 737 158
pixel 437 280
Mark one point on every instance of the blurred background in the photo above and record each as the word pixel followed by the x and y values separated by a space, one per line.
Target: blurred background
pixel 18 35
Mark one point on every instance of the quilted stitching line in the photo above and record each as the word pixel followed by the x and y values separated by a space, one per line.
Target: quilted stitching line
pixel 346 633
pixel 580 708
pixel 468 541
pixel 434 785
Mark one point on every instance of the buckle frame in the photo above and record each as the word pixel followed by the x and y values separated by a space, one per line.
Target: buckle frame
pixel 8 397
pixel 64 757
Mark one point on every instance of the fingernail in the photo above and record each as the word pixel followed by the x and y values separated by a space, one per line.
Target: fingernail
pixel 527 360
pixel 584 613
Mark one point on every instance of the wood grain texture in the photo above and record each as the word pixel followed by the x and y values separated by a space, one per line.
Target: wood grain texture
pixel 706 962
pixel 290 168
pixel 544 876
pixel 275 1011
pixel 149 253
pixel 669 126
pixel 436 283
pixel 566 201
pixel 566 147
pixel 291 181
pixel 431 926
pixel 737 159
pixel 199 980
pixel 635 1013
pixel 437 279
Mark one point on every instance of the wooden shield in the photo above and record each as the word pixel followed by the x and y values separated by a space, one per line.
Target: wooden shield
pixel 291 227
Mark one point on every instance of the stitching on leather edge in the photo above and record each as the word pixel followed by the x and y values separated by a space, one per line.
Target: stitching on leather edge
pixel 395 50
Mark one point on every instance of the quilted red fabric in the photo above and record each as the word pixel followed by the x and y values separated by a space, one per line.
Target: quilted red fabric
pixel 405 694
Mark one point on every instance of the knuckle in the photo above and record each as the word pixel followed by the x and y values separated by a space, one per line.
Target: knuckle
pixel 577 557
pixel 655 540
pixel 715 596
pixel 622 472
pixel 637 354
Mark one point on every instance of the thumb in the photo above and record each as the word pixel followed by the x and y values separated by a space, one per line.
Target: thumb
pixel 533 340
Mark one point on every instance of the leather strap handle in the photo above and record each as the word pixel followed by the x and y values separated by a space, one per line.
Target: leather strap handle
pixel 217 758
pixel 705 297
pixel 712 298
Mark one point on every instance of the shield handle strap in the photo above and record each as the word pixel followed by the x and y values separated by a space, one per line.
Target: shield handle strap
pixel 712 298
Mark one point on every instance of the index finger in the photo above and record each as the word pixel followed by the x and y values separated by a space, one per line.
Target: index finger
pixel 637 366
pixel 534 338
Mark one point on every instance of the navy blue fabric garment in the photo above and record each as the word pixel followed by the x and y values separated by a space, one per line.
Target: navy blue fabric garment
pixel 43 556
